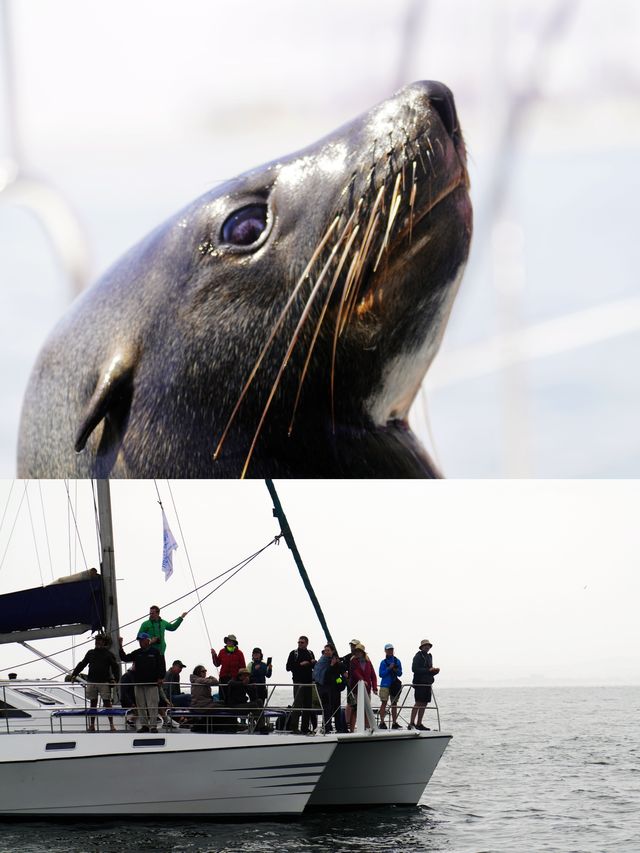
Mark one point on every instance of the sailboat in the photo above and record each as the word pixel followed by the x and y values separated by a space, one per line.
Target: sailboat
pixel 52 766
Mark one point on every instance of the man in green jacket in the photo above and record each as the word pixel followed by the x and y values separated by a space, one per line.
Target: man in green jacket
pixel 155 627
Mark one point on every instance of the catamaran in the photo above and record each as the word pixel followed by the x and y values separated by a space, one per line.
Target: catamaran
pixel 51 765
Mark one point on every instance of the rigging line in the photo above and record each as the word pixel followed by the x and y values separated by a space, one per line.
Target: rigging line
pixel 237 566
pixel 35 540
pixel 6 506
pixel 186 552
pixel 96 519
pixel 78 540
pixel 15 521
pixel 46 530
pixel 240 567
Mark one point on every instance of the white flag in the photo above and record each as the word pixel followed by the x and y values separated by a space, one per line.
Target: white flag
pixel 169 546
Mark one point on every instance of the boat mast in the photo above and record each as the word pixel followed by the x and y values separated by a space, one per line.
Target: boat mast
pixel 288 538
pixel 108 572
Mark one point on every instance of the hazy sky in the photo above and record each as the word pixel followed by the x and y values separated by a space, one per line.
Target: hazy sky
pixel 512 581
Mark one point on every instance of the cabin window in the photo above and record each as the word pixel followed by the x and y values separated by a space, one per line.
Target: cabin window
pixel 7 710
pixel 63 744
pixel 151 741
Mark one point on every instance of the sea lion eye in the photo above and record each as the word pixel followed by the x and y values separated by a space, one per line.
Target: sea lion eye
pixel 244 227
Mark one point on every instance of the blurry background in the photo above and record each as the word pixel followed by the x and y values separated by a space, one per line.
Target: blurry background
pixel 115 115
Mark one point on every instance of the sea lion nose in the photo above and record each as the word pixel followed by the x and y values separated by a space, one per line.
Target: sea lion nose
pixel 441 99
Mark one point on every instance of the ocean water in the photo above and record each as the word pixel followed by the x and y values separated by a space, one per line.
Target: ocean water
pixel 529 769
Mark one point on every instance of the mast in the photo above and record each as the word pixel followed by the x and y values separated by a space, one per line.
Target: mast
pixel 288 538
pixel 111 620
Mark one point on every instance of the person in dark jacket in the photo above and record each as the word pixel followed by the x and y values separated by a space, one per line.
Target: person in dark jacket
pixel 128 696
pixel 239 690
pixel 328 674
pixel 300 664
pixel 103 673
pixel 148 672
pixel 423 675
pixel 259 672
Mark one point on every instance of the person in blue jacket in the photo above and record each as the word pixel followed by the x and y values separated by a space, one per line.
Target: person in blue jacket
pixel 390 686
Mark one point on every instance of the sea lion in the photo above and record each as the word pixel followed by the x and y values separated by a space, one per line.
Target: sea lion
pixel 278 326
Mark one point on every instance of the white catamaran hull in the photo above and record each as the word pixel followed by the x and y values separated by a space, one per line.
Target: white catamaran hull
pixel 124 774
pixel 390 768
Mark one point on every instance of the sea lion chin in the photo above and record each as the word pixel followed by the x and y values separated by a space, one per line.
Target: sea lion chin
pixel 278 326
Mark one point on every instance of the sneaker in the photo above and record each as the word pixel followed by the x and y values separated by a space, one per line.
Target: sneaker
pixel 422 728
pixel 395 726
pixel 382 725
pixel 174 724
pixel 410 726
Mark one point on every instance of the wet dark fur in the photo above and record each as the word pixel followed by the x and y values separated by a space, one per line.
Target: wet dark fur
pixel 143 376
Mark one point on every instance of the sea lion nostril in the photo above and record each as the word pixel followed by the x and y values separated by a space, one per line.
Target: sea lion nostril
pixel 441 100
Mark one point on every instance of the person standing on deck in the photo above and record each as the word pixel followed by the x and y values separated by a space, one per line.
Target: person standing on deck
pixel 424 673
pixel 390 686
pixel 147 674
pixel 103 673
pixel 360 669
pixel 155 627
pixel 351 702
pixel 300 664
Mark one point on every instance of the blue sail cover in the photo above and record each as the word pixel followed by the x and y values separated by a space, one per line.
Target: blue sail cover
pixel 51 606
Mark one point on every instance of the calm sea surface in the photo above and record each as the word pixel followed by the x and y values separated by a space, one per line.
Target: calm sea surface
pixel 550 769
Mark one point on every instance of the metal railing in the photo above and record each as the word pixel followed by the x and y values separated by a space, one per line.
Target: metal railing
pixel 59 706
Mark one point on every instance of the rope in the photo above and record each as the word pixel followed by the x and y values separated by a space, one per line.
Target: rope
pixel 78 541
pixel 204 621
pixel 15 521
pixel 46 530
pixel 235 569
pixel 6 506
pixel 35 540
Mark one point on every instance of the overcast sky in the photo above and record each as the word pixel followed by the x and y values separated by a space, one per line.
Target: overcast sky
pixel 518 582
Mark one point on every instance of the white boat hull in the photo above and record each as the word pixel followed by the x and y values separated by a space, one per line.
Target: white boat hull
pixel 184 774
pixel 380 768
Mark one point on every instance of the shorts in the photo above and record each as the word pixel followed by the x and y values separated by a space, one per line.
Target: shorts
pixel 383 693
pixel 93 690
pixel 423 693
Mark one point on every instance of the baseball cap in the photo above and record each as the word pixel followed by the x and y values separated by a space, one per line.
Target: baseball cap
pixel 388 646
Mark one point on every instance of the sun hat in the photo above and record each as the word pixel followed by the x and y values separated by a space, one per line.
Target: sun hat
pixel 231 637
pixel 243 671
pixel 361 647
pixel 425 643
pixel 354 642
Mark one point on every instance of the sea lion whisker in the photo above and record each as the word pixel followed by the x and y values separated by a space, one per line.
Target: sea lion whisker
pixel 336 275
pixel 424 167
pixel 294 340
pixel 396 199
pixel 273 333
pixel 358 260
pixel 412 199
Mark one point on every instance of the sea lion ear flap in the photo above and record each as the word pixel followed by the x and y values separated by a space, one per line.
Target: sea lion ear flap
pixel 111 398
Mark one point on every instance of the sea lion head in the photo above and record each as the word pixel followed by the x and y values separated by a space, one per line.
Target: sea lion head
pixel 280 325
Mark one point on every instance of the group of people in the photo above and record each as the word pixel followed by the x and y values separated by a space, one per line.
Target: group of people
pixel 331 674
pixel 150 687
